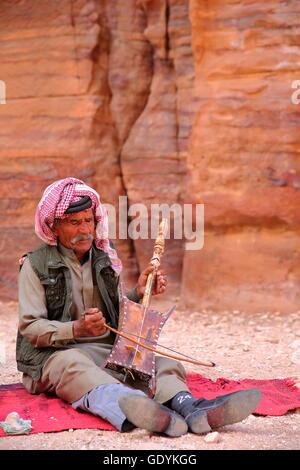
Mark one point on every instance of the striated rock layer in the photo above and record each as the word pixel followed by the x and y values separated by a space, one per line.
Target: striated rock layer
pixel 243 163
pixel 100 90
pixel 160 102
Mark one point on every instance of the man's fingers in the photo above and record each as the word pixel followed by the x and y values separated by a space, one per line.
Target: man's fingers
pixel 93 315
pixel 91 310
pixel 91 323
pixel 149 269
pixel 161 277
pixel 97 318
pixel 161 282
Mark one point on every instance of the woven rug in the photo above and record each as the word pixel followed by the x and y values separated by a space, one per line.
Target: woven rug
pixel 49 414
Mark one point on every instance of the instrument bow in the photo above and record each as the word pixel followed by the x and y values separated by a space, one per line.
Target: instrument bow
pixel 136 357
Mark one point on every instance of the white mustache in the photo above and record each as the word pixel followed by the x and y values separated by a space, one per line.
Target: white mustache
pixel 78 238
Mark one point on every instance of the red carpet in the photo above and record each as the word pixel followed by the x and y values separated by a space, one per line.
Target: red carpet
pixel 49 414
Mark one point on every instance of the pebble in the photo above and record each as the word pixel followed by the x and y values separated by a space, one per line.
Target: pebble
pixel 212 437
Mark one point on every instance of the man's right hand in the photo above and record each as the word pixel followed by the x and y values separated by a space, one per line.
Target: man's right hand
pixel 91 323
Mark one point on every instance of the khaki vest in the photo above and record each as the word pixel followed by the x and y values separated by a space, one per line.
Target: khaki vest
pixel 55 277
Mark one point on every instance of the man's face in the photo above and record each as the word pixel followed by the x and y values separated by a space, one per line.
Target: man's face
pixel 76 231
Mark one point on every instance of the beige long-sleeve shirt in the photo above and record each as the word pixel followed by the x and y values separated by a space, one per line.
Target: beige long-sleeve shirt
pixel 33 318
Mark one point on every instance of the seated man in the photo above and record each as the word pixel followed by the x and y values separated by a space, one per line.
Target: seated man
pixel 68 288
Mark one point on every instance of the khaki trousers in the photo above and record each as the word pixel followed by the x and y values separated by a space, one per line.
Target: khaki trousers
pixel 71 373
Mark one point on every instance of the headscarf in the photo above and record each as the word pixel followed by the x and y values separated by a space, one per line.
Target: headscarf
pixel 55 201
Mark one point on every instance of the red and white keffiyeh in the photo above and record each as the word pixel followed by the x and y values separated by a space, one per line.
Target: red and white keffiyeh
pixel 55 201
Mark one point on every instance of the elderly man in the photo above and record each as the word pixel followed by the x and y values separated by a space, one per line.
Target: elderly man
pixel 68 288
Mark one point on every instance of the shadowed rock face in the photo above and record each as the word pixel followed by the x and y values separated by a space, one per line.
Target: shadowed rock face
pixel 164 102
pixel 100 90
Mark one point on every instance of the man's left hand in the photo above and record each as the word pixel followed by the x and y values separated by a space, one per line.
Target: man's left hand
pixel 160 283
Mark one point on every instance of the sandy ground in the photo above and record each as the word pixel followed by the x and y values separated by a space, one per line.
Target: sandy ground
pixel 257 346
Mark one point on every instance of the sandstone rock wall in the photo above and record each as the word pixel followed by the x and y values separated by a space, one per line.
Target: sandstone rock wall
pixel 244 162
pixel 161 101
pixel 100 90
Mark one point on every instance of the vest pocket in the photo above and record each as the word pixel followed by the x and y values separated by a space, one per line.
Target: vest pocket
pixel 55 291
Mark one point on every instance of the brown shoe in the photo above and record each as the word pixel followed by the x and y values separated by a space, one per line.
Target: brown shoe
pixel 147 414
